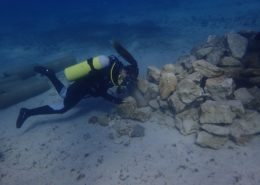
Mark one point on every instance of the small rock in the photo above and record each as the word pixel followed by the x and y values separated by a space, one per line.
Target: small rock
pixel 81 176
pixel 93 120
pixel 103 120
pixel 205 139
pixel 154 104
pixel 153 74
pixel 137 131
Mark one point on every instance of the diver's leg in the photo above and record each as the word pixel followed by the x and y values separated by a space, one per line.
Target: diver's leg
pixel 61 89
pixel 73 96
pixel 25 113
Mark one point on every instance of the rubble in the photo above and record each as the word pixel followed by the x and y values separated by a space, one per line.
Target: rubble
pixel 213 92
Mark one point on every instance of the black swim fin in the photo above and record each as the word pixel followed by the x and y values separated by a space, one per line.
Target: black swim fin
pixel 23 115
pixel 124 53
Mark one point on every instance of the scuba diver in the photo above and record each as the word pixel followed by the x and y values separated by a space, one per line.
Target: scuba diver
pixel 93 77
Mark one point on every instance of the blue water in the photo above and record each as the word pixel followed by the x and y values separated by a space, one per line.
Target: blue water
pixel 156 32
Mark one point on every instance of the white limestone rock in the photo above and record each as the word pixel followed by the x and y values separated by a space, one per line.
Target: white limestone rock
pixel 229 61
pixel 237 44
pixel 218 112
pixel 207 69
pixel 216 129
pixel 220 88
pixel 188 91
pixel 187 122
pixel 168 68
pixel 153 74
pixel 167 84
pixel 245 127
pixel 142 85
pixel 205 139
pixel 175 104
pixel 244 96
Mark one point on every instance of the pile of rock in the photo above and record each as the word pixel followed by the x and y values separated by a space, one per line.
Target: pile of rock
pixel 213 92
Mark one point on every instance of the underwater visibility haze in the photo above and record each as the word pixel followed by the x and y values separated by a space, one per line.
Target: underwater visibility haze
pixel 195 122
pixel 38 30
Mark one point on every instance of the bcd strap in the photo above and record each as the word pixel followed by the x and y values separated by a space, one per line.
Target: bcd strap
pixel 90 63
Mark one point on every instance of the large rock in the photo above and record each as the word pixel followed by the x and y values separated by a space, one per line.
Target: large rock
pixel 202 52
pixel 137 131
pixel 229 62
pixel 207 69
pixel 153 74
pixel 244 96
pixel 212 51
pixel 188 91
pixel 141 101
pixel 220 88
pixel 142 85
pixel 216 129
pixel 187 122
pixel 154 104
pixel 220 112
pixel 214 57
pixel 163 104
pixel 175 103
pixel 152 91
pixel 127 109
pixel 237 44
pixel 167 84
pixel 186 62
pixel 205 139
pixel 196 77
pixel 255 91
pixel 142 114
pixel 168 68
pixel 248 125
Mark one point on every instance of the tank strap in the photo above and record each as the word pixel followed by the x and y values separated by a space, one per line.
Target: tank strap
pixel 90 63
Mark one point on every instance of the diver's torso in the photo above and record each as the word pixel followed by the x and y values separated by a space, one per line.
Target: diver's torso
pixel 96 83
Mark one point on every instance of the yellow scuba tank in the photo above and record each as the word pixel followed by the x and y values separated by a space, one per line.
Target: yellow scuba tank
pixel 80 70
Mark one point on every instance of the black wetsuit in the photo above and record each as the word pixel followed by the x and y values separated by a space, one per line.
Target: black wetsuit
pixel 95 84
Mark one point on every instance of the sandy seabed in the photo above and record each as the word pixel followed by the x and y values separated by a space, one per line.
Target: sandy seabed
pixel 66 149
